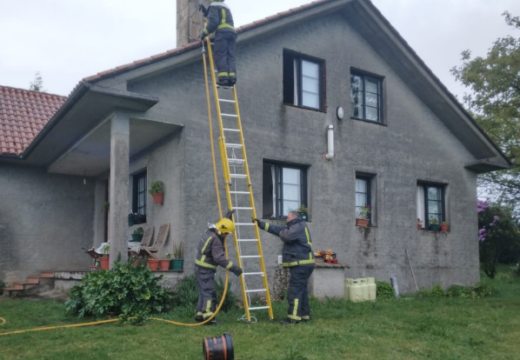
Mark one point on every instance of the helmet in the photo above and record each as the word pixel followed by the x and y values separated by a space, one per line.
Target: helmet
pixel 225 226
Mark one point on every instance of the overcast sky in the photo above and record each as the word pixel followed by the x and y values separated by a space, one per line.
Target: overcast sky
pixel 67 40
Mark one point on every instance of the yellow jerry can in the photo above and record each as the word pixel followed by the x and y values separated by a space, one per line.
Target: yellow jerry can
pixel 364 288
pixel 355 292
pixel 372 288
pixel 348 283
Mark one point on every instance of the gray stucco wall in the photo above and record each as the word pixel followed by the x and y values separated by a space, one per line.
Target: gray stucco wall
pixel 413 145
pixel 47 219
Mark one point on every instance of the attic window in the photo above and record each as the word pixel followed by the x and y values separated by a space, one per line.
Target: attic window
pixel 366 97
pixel 303 84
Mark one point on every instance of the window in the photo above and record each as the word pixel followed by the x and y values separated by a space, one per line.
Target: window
pixel 139 193
pixel 284 189
pixel 303 81
pixel 430 203
pixel 363 194
pixel 365 97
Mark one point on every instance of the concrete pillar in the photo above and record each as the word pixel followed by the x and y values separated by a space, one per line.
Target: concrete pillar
pixel 189 21
pixel 100 219
pixel 118 197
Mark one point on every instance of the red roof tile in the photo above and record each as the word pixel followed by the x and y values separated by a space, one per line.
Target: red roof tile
pixel 23 113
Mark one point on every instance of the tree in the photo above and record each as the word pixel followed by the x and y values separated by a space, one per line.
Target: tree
pixel 37 84
pixel 498 233
pixel 495 105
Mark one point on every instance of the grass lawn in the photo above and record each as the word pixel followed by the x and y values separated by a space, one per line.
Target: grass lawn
pixel 440 328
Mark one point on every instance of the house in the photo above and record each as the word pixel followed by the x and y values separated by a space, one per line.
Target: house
pixel 404 146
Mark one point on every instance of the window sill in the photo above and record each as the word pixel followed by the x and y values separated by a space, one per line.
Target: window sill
pixel 307 108
pixel 369 121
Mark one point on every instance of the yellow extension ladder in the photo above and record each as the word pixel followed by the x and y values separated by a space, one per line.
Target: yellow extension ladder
pixel 239 192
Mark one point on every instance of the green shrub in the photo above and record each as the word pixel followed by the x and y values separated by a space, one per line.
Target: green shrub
pixel 124 291
pixel 457 291
pixel 230 302
pixel 483 289
pixel 516 270
pixel 436 291
pixel 384 290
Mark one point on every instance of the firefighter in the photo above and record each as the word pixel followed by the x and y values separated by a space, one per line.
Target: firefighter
pixel 220 19
pixel 210 254
pixel 299 258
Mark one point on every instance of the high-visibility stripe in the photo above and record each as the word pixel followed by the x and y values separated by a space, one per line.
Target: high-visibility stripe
pixel 206 244
pixel 229 265
pixel 266 226
pixel 299 262
pixel 208 306
pixel 294 317
pixel 223 17
pixel 199 313
pixel 308 237
pixel 222 26
pixel 295 308
pixel 203 264
pixel 221 74
pixel 232 74
pixel 306 317
pixel 207 315
pixel 206 31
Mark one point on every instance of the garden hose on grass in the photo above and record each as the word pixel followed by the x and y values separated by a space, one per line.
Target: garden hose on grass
pixel 3 321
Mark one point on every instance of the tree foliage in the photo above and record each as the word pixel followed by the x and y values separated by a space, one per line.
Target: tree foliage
pixel 494 102
pixel 37 84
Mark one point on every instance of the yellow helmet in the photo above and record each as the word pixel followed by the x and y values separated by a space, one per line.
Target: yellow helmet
pixel 225 226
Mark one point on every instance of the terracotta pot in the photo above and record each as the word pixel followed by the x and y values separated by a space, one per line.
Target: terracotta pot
pixel 158 198
pixel 444 227
pixel 164 264
pixel 153 264
pixel 362 222
pixel 419 227
pixel 104 262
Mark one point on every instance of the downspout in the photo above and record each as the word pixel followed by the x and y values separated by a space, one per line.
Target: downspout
pixel 330 143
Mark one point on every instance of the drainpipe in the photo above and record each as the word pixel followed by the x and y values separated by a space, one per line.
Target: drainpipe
pixel 330 143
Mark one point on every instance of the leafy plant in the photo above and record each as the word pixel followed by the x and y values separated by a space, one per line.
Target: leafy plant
pixel 125 290
pixel 230 302
pixel 105 249
pixel 168 256
pixel 434 221
pixel 363 212
pixel 157 187
pixel 303 209
pixel 458 291
pixel 178 251
pixel 419 221
pixel 484 288
pixel 139 231
pixel 105 205
pixel 384 290
pixel 293 353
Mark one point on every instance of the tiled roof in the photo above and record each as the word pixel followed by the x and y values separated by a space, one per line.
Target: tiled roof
pixel 193 45
pixel 23 113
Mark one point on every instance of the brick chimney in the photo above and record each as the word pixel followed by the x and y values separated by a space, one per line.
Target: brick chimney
pixel 189 21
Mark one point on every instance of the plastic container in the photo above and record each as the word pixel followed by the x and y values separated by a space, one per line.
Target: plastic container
pixel 364 288
pixel 218 348
pixel 372 288
pixel 348 283
pixel 355 292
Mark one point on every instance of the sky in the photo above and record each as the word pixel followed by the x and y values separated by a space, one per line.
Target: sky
pixel 67 40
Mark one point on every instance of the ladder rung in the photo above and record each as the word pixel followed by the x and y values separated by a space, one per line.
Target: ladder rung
pixel 240 192
pixel 232 130
pixel 254 273
pixel 238 176
pixel 259 308
pixel 249 256
pixel 255 290
pixel 248 240
pixel 242 208
pixel 244 224
pixel 236 162
pixel 228 101
pixel 238 146
pixel 229 115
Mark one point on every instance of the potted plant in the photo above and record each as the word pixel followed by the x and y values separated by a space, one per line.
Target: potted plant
pixel 419 224
pixel 178 252
pixel 153 264
pixel 105 258
pixel 138 234
pixel 362 217
pixel 164 264
pixel 170 258
pixel 434 224
pixel 304 212
pixel 445 226
pixel 156 190
pixel 105 205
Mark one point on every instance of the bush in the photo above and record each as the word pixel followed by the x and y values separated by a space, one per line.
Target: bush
pixel 230 302
pixel 458 291
pixel 516 270
pixel 483 289
pixel 384 290
pixel 124 291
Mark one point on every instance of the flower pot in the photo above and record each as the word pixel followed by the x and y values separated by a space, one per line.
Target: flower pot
pixel 434 227
pixel 104 262
pixel 158 198
pixel 164 264
pixel 153 264
pixel 419 227
pixel 136 262
pixel 177 264
pixel 304 215
pixel 444 227
pixel 137 237
pixel 362 222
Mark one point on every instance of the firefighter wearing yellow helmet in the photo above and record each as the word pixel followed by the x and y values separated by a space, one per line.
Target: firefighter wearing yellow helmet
pixel 210 254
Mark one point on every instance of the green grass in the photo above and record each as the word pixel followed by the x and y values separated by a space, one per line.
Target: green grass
pixel 434 328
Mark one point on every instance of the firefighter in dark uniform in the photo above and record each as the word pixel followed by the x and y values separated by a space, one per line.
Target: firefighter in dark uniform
pixel 299 258
pixel 210 254
pixel 220 19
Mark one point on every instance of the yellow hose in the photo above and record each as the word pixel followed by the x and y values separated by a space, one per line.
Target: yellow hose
pixel 3 321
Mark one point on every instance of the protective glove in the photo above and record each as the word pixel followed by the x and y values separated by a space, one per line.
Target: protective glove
pixel 236 270
pixel 202 36
pixel 260 223
pixel 204 10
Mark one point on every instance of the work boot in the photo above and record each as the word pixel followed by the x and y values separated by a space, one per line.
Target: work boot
pixel 306 318
pixel 199 318
pixel 214 322
pixel 290 321
pixel 232 80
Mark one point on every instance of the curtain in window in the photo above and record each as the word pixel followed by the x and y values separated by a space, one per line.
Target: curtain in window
pixel 273 175
pixel 420 204
pixel 361 194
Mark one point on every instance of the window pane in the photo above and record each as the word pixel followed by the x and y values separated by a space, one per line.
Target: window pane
pixel 290 206
pixel 291 176
pixel 310 69
pixel 361 199
pixel 372 114
pixel 310 85
pixel 372 100
pixel 311 100
pixel 434 207
pixel 434 193
pixel 356 96
pixel 372 86
pixel 361 185
pixel 140 201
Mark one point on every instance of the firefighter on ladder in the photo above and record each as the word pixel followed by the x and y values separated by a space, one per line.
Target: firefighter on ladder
pixel 220 19
pixel 210 254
